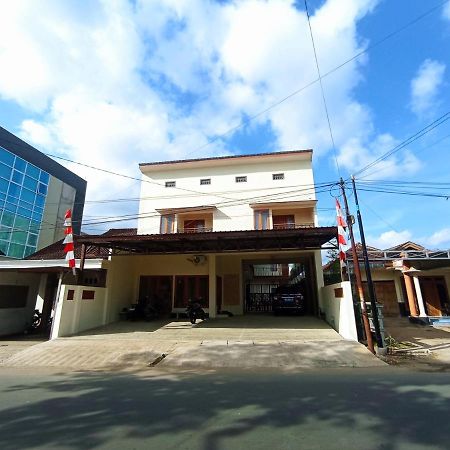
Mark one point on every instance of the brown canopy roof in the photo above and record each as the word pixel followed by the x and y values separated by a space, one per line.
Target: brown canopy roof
pixel 215 242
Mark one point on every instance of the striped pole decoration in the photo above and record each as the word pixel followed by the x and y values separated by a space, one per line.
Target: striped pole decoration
pixel 342 241
pixel 68 241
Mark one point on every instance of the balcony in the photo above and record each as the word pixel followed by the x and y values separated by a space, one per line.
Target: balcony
pixel 288 226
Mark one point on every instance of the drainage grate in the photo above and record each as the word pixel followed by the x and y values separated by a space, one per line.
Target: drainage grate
pixel 157 360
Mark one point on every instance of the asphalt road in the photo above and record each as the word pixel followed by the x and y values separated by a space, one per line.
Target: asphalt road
pixel 387 408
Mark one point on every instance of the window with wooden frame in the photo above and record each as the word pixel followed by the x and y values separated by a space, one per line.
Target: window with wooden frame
pixel 167 224
pixel 262 219
pixel 283 221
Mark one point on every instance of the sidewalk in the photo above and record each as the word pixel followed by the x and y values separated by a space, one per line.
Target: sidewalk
pixel 232 343
pixel 423 343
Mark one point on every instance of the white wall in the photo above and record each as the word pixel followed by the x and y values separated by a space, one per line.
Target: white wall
pixel 223 189
pixel 74 316
pixel 339 311
pixel 16 320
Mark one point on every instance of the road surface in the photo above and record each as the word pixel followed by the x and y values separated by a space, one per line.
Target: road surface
pixel 384 408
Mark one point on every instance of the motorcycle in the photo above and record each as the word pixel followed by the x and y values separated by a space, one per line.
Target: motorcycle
pixel 195 311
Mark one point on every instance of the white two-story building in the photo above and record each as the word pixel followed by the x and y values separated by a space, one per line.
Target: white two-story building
pixel 226 231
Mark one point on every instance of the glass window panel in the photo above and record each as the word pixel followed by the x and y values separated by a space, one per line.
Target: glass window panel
pixel 4 185
pixel 2 205
pixel 19 237
pixel 32 171
pixel 37 215
pixel 44 177
pixel 32 240
pixel 10 207
pixel 6 157
pixel 5 234
pixel 30 183
pixel 42 188
pixel 21 223
pixel 28 196
pixel 14 190
pixel 17 177
pixel 12 200
pixel 29 251
pixel 7 219
pixel 24 212
pixel 4 247
pixel 40 201
pixel 34 226
pixel 16 250
pixel 2 196
pixel 20 164
pixel 5 171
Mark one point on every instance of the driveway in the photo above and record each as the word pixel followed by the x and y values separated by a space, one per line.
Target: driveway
pixel 238 342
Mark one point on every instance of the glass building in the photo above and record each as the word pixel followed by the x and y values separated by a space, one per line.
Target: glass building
pixel 23 191
pixel 35 192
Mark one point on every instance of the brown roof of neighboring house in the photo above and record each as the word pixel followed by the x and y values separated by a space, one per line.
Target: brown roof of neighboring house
pixel 56 250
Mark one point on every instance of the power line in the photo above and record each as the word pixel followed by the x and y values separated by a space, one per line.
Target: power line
pixel 326 74
pixel 321 88
pixel 442 119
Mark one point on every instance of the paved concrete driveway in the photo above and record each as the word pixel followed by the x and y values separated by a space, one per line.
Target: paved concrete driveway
pixel 238 342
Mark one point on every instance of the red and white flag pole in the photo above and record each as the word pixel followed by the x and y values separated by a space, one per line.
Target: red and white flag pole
pixel 69 249
pixel 342 241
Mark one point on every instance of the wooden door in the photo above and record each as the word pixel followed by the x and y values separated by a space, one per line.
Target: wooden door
pixel 386 295
pixel 432 294
pixel 156 291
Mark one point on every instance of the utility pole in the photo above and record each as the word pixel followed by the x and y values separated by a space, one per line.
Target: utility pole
pixel 357 271
pixel 373 299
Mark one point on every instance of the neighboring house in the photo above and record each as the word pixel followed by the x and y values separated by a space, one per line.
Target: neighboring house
pixel 35 193
pixel 224 231
pixel 409 280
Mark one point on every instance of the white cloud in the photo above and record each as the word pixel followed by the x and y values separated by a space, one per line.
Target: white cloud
pixel 116 83
pixel 389 239
pixel 439 239
pixel 446 11
pixel 425 86
pixel 357 153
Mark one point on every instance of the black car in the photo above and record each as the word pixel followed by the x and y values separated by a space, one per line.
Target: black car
pixel 288 299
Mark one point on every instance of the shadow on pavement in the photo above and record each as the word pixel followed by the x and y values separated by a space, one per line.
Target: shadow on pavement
pixel 346 409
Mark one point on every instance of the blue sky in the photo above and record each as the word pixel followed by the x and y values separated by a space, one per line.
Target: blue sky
pixel 115 83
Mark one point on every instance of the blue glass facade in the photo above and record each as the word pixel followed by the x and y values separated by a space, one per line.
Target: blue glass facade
pixel 23 191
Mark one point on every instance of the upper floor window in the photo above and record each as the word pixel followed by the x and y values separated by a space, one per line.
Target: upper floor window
pixel 167 224
pixel 204 181
pixel 283 221
pixel 194 226
pixel 262 219
pixel 242 179
pixel 170 183
pixel 278 176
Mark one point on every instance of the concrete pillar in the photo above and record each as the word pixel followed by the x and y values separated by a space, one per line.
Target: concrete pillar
pixel 41 292
pixel 419 297
pixel 54 333
pixel 411 296
pixel 212 286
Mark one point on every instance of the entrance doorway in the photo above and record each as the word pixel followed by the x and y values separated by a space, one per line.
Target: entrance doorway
pixel 156 292
pixel 265 280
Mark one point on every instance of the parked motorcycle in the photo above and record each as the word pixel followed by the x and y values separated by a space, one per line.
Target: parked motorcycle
pixel 195 311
